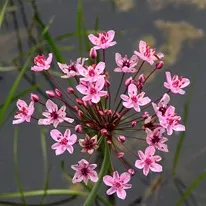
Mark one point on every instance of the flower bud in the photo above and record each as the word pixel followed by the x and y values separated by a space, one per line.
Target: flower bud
pixel 93 53
pixel 104 132
pixel 121 139
pixel 51 93
pixel 140 81
pixel 131 171
pixel 145 115
pixel 101 112
pixel 34 97
pixel 109 142
pixel 133 123
pixel 80 113
pixel 120 155
pixel 58 93
pixel 78 128
pixel 79 101
pixel 70 90
pixel 106 83
pixel 159 65
pixel 128 81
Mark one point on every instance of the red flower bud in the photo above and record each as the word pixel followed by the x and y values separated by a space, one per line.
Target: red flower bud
pixel 51 93
pixel 34 97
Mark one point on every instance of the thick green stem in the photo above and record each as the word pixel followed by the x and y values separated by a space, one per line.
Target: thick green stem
pixel 103 171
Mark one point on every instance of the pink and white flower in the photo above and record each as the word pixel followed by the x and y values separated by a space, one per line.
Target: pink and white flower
pixel 161 107
pixel 25 112
pixel 84 172
pixel 148 161
pixel 91 73
pixel 64 142
pixel 156 139
pixel 124 64
pixel 134 100
pixel 54 115
pixel 118 184
pixel 41 63
pixel 147 54
pixel 170 121
pixel 176 83
pixel 70 70
pixel 88 144
pixel 103 40
pixel 92 91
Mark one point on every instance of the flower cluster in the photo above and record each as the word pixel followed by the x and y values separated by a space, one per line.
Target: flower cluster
pixel 90 110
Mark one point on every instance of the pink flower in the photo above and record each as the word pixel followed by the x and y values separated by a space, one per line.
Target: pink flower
pixel 92 90
pixel 155 138
pixel 88 144
pixel 25 112
pixel 53 115
pixel 124 64
pixel 161 107
pixel 70 70
pixel 175 83
pixel 63 142
pixel 84 172
pixel 134 100
pixel 147 54
pixel 41 63
pixel 170 121
pixel 91 73
pixel 148 161
pixel 118 184
pixel 103 40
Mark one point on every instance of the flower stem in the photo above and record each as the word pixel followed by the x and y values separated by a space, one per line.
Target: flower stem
pixel 103 171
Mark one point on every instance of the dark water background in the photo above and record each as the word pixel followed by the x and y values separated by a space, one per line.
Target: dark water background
pixel 179 29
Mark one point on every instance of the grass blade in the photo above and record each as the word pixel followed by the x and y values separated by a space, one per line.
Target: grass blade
pixel 15 154
pixel 190 189
pixel 182 136
pixel 3 12
pixel 23 93
pixel 45 162
pixel 41 192
pixel 13 89
pixel 79 26
pixel 7 68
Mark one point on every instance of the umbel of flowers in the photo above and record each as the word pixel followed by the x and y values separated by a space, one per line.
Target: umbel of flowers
pixel 89 108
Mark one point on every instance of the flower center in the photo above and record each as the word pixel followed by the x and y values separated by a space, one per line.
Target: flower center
pixel 117 184
pixel 89 144
pixel 84 171
pixel 91 73
pixel 134 99
pixel 54 115
pixel 40 60
pixel 24 110
pixel 64 141
pixel 126 64
pixel 148 161
pixel 93 91
pixel 155 139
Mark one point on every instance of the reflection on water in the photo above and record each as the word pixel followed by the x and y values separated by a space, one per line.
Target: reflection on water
pixel 160 4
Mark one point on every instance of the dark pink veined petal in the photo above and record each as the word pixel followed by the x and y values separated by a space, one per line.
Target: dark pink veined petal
pixel 115 175
pixel 146 170
pixel 82 89
pixel 51 106
pixel 49 59
pixel 93 39
pixel 127 186
pixel 124 97
pixel 70 149
pixel 95 98
pixel 20 104
pixel 132 90
pixel 93 176
pixel 111 34
pixel 156 167
pixel 118 59
pixel 99 84
pixel 150 151
pixel 72 139
pixel 139 164
pixel 108 180
pixel 168 77
pixel 60 150
pixel 142 46
pixel 67 133
pixel 121 193
pixel 56 135
pixel 111 191
pixel 100 67
pixel 141 154
pixel 125 177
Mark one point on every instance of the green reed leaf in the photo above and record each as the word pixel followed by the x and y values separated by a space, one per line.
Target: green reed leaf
pixel 191 188
pixel 15 156
pixel 3 12
pixel 13 89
